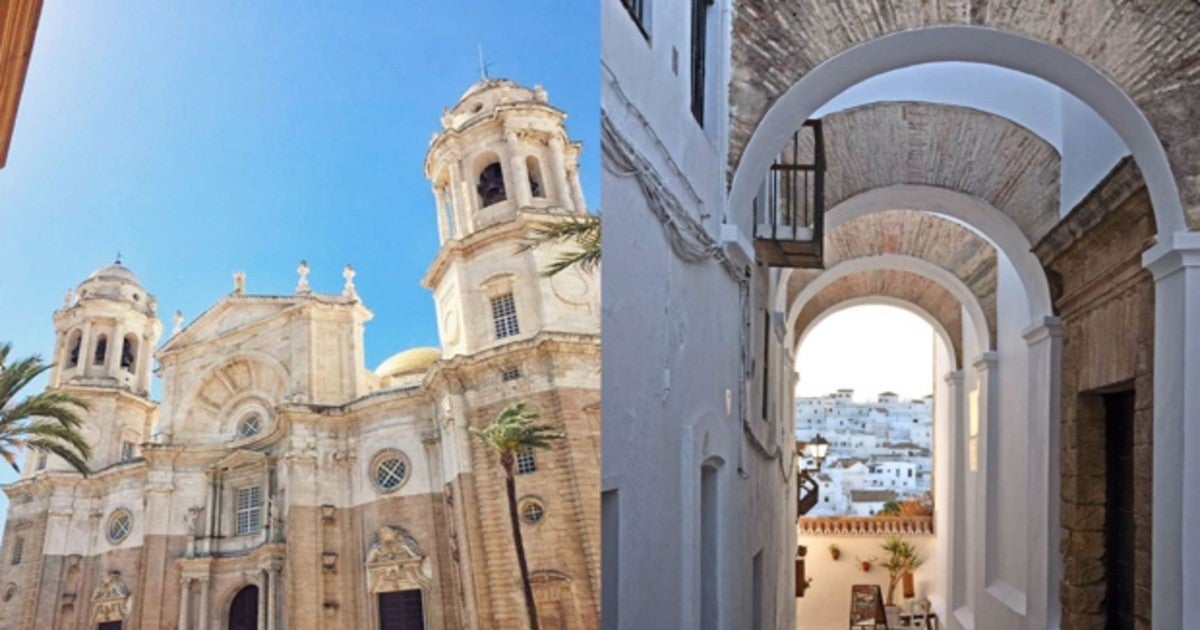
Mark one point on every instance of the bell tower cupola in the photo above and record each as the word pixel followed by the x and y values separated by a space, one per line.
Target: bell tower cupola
pixel 501 149
pixel 503 169
pixel 105 333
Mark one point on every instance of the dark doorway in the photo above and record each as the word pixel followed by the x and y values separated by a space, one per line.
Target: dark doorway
pixel 109 625
pixel 1118 510
pixel 401 610
pixel 243 612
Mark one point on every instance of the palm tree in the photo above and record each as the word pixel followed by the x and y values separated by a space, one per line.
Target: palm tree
pixel 47 422
pixel 513 432
pixel 584 231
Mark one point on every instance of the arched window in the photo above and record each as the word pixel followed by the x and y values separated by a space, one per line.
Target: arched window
pixel 243 610
pixel 73 342
pixel 536 188
pixel 491 185
pixel 129 353
pixel 101 350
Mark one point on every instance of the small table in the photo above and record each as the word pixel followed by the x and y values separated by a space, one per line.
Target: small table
pixel 919 620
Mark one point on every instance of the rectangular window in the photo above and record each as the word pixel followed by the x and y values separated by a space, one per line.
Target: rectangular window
pixel 504 315
pixel 18 550
pixel 41 460
pixel 510 374
pixel 525 462
pixel 126 451
pixel 249 510
pixel 637 11
pixel 401 610
pixel 699 50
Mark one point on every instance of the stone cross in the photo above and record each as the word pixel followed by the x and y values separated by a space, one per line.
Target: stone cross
pixel 177 322
pixel 239 282
pixel 348 273
pixel 302 285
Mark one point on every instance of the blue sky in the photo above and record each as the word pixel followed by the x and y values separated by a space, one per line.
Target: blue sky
pixel 202 138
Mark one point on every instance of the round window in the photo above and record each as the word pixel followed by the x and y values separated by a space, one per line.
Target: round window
pixel 119 525
pixel 389 471
pixel 250 426
pixel 532 511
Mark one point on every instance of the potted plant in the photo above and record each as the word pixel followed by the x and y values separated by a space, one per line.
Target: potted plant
pixel 865 564
pixel 835 552
pixel 902 559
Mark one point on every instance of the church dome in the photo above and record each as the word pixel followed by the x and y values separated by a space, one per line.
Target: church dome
pixel 486 96
pixel 115 271
pixel 408 361
pixel 114 282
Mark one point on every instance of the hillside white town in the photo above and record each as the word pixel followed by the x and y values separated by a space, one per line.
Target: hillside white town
pixel 879 451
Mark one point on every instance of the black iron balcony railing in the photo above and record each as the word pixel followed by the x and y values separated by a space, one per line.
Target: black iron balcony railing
pixel 789 214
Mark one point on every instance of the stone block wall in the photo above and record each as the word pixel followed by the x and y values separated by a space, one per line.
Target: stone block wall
pixel 1106 301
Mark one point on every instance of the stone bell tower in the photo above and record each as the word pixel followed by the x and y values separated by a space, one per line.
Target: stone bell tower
pixel 105 333
pixel 502 165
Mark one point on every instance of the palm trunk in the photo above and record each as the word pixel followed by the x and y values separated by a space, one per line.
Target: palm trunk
pixel 510 485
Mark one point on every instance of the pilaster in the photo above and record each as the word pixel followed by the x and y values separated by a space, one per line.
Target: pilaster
pixel 1043 340
pixel 1175 265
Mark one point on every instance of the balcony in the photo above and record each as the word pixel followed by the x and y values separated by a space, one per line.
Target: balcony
pixel 789 212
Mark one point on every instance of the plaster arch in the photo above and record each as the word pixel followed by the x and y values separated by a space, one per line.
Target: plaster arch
pixel 943 242
pixel 975 324
pixel 812 72
pixel 986 221
pixel 948 146
pixel 949 330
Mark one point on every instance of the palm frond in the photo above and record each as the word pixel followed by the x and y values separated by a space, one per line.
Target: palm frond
pixel 514 430
pixel 49 421
pixel 584 232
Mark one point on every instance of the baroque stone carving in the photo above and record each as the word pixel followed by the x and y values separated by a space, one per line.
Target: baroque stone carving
pixel 396 562
pixel 111 599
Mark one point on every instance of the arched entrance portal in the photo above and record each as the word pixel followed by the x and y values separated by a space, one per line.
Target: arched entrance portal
pixel 243 611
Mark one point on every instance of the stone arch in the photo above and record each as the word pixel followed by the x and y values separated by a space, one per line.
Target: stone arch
pixel 916 294
pixel 490 179
pixel 255 377
pixel 241 606
pixel 921 235
pixel 787 64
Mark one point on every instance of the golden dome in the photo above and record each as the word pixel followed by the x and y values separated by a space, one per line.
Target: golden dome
pixel 411 360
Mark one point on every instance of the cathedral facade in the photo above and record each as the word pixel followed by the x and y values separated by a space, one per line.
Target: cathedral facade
pixel 280 483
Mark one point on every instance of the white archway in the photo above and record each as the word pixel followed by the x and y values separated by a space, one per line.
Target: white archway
pixel 960 43
pixel 977 320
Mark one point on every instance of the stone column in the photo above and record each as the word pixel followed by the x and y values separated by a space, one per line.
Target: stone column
pixel 443 219
pixel 60 359
pixel 204 603
pixel 1175 264
pixel 955 505
pixel 263 579
pixel 1043 525
pixel 185 590
pixel 520 173
pixel 558 171
pixel 85 349
pixel 464 197
pixel 142 366
pixel 112 357
pixel 577 190
pixel 273 591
